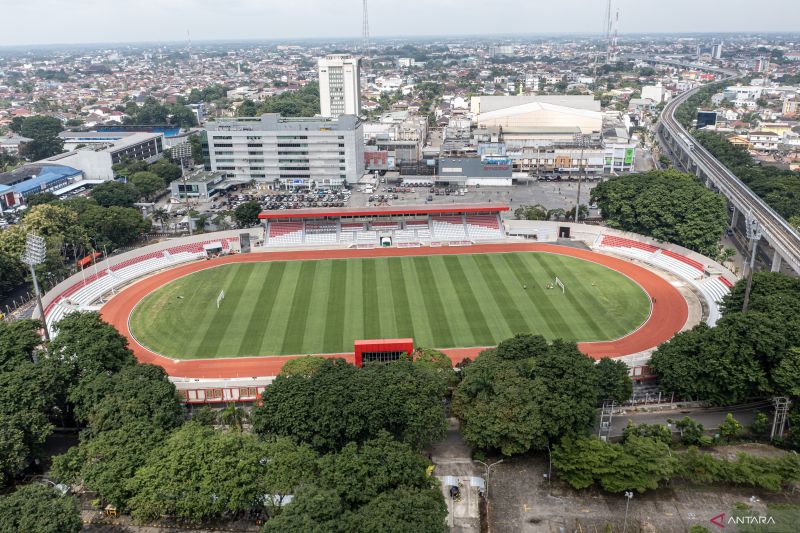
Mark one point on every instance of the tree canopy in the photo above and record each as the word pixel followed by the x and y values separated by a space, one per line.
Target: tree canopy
pixel 303 102
pixel 115 193
pixel 43 132
pixel 246 214
pixel 667 205
pixel 339 403
pixel 41 509
pixel 525 394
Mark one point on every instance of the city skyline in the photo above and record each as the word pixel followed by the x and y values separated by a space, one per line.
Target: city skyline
pixel 93 22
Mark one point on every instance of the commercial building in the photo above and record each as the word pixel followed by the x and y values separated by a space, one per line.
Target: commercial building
pixel 101 150
pixel 543 117
pixel 199 185
pixel 339 85
pixel 716 51
pixel 474 171
pixel 17 185
pixel 294 152
pixel 11 143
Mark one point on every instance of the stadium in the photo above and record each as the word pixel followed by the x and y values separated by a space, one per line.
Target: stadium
pixel 222 312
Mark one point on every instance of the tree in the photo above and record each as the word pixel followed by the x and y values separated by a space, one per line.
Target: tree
pixel 24 403
pixel 105 462
pixel 234 417
pixel 760 424
pixel 113 227
pixel 361 473
pixel 198 474
pixel 653 431
pixel 531 212
pixel 12 273
pixel 160 215
pixel 136 392
pixel 18 340
pixel 87 346
pixel 148 184
pixel 301 103
pixel 664 204
pixel 115 193
pixel 339 403
pixel 246 214
pixel 403 510
pixel 168 171
pixel 302 366
pixel 525 395
pixel 692 432
pixel 730 428
pixel 40 198
pixel 437 362
pixel 43 132
pixel 312 509
pixel 613 380
pixel 41 509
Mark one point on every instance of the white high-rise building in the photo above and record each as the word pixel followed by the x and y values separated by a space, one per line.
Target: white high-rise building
pixel 339 85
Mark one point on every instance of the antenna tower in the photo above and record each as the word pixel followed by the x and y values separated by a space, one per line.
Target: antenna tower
pixel 607 31
pixel 616 37
pixel 365 30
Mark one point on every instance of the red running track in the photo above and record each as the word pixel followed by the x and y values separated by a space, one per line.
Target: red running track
pixel 668 315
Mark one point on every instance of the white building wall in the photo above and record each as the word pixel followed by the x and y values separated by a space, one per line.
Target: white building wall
pixel 339 85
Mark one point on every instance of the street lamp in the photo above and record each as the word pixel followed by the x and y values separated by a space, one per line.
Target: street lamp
pixel 629 496
pixel 582 141
pixel 488 473
pixel 34 255
pixel 753 235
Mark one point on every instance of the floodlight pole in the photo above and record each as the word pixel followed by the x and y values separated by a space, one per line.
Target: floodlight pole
pixel 582 141
pixel 39 301
pixel 35 255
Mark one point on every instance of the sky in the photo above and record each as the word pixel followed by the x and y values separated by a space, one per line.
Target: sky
pixel 97 21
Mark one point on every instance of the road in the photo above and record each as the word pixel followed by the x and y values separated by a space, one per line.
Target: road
pixel 778 233
pixel 710 417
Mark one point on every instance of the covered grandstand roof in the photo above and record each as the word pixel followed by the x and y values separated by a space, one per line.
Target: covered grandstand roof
pixel 332 212
pixel 37 176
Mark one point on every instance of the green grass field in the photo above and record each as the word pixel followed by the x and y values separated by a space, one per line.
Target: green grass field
pixel 299 307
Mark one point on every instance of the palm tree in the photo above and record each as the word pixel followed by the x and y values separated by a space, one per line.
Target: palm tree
pixel 160 215
pixel 234 417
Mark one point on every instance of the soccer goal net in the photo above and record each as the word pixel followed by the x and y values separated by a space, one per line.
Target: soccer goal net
pixel 220 298
pixel 558 283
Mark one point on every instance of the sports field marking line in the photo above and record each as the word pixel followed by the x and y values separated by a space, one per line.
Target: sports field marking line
pixel 252 357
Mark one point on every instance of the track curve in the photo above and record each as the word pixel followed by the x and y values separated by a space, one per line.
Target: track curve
pixel 668 315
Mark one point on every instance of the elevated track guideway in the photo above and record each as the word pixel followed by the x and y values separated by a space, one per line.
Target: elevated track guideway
pixel 778 234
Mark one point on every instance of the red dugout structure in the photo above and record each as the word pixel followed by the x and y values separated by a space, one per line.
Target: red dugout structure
pixel 382 350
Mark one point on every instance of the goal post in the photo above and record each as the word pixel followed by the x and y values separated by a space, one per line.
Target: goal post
pixel 558 283
pixel 220 298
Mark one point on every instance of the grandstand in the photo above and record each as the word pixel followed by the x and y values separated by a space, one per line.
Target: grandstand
pixel 370 227
pixel 105 279
pixel 712 287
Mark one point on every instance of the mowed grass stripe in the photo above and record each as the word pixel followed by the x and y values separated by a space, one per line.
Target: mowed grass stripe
pixel 386 318
pixel 474 318
pixel 197 307
pixel 335 310
pixel 423 335
pixel 402 311
pixel 216 323
pixel 242 311
pixel 261 313
pixel 354 305
pixel 459 325
pixel 369 300
pixel 440 327
pixel 314 337
pixel 275 330
pixel 298 316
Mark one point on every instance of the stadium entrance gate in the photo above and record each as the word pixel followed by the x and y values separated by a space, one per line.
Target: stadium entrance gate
pixel 382 350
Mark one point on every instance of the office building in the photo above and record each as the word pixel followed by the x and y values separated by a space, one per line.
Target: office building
pixel 716 51
pixel 339 85
pixel 293 152
pixel 95 153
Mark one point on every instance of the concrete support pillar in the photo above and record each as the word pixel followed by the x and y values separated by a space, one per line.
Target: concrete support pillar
pixel 776 262
pixel 734 217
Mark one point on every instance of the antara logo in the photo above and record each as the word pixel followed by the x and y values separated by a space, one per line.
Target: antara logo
pixel 720 521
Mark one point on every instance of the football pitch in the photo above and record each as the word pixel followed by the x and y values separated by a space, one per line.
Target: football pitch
pixel 443 301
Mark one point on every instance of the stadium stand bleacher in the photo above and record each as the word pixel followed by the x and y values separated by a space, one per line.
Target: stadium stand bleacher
pixel 713 288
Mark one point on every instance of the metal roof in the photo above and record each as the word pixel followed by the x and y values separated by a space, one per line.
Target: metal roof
pixel 334 212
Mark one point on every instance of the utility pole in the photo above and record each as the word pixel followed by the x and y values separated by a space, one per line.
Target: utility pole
pixel 753 235
pixel 581 140
pixel 488 473
pixel 34 255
